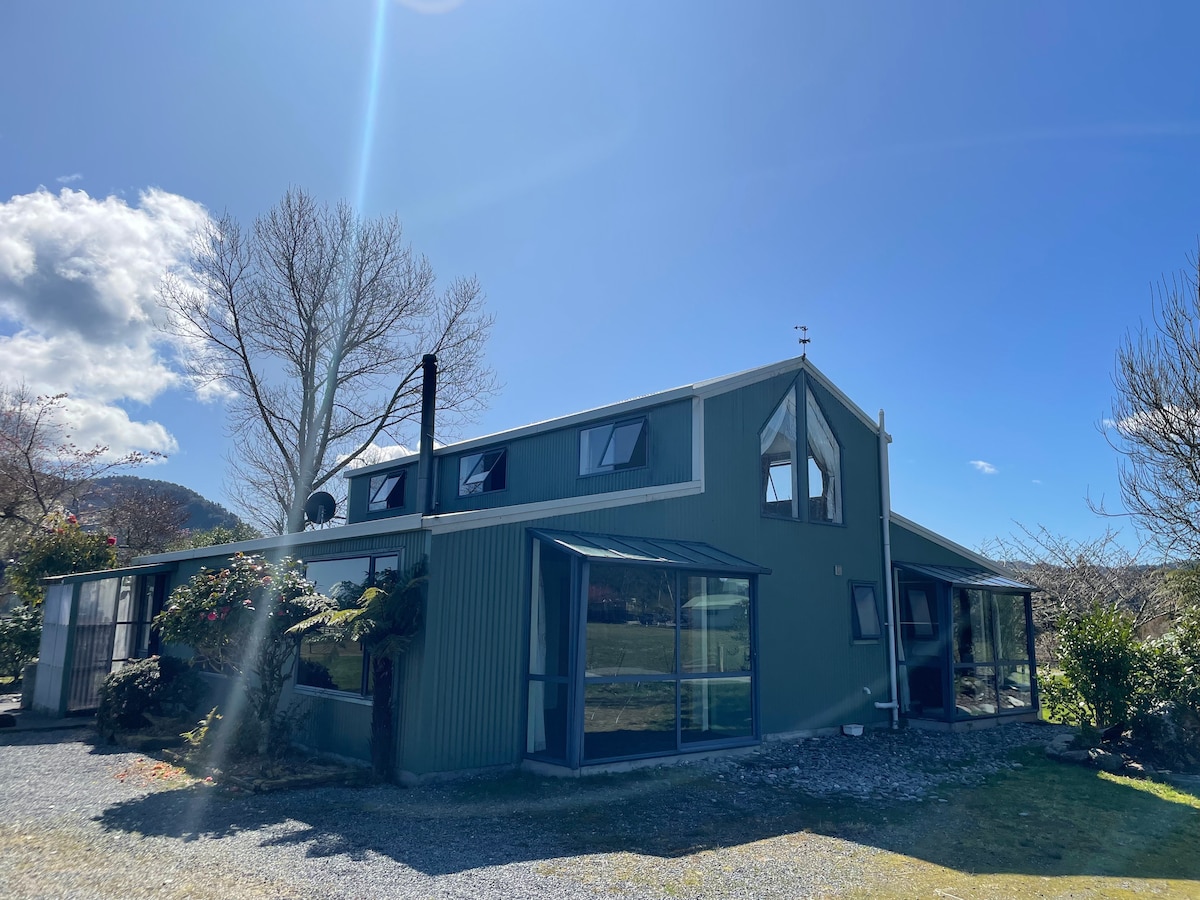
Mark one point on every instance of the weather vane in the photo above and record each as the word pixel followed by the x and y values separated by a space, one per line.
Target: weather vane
pixel 805 340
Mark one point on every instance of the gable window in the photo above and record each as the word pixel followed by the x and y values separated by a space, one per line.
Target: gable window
pixel 777 442
pixel 864 608
pixel 342 665
pixel 824 465
pixel 612 447
pixel 387 490
pixel 479 473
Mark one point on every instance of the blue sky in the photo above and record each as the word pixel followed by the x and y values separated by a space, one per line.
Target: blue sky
pixel 965 202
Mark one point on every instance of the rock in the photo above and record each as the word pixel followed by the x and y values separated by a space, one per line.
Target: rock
pixel 1108 762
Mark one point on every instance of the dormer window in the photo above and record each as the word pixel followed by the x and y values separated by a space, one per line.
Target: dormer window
pixel 612 447
pixel 480 473
pixel 387 490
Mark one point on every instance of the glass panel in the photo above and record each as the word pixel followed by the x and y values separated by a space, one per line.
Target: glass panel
pixel 550 618
pixel 918 614
pixel 1013 683
pixel 714 627
pixel 866 612
pixel 628 718
pixel 547 732
pixel 1011 630
pixel 335 666
pixel 715 709
pixel 825 455
pixel 625 448
pixel 972 626
pixel 630 621
pixel 385 566
pixel 975 691
pixel 387 491
pixel 592 444
pixel 482 472
pixel 125 600
pixel 777 448
pixel 340 579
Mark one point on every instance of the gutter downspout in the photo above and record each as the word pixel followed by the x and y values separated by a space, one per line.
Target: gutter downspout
pixel 885 500
pixel 425 479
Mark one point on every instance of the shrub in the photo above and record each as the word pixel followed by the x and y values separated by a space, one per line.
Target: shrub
pixel 1104 667
pixel 238 620
pixel 61 550
pixel 20 634
pixel 158 686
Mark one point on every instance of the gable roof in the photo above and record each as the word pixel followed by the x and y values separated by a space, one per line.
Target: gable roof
pixel 699 390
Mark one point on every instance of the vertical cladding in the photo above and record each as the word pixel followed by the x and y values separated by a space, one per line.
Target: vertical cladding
pixel 358 495
pixel 907 546
pixel 330 725
pixel 546 466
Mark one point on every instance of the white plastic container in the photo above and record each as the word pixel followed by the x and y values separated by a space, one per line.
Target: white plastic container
pixel 852 730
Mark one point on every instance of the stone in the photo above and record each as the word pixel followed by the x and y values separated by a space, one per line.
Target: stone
pixel 1108 762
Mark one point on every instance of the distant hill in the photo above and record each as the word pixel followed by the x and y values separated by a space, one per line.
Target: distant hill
pixel 202 513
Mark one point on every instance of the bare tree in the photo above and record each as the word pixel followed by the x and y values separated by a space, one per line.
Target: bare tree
pixel 1072 575
pixel 1155 421
pixel 42 471
pixel 144 519
pixel 314 322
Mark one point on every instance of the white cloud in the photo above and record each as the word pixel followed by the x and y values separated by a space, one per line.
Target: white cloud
pixel 68 179
pixel 985 468
pixel 79 283
pixel 1037 481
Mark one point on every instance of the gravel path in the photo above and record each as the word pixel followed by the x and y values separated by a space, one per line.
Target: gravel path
pixel 82 821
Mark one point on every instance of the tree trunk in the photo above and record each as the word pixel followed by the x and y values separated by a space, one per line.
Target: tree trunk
pixel 383 730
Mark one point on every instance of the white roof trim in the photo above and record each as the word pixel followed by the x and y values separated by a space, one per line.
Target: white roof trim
pixel 934 538
pixel 702 389
pixel 395 524
pixel 524 512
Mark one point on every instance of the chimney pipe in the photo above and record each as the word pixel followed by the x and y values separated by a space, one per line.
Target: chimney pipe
pixel 428 408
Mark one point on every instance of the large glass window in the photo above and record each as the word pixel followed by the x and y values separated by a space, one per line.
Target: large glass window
pixel 341 665
pixel 612 447
pixel 990 651
pixel 480 473
pixel 665 655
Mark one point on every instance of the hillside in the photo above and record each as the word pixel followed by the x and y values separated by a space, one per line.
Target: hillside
pixel 202 513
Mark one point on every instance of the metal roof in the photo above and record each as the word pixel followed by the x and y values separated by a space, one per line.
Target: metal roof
pixel 969 578
pixel 647 551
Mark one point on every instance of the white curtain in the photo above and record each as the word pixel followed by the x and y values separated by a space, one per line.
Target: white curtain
pixel 779 437
pixel 825 451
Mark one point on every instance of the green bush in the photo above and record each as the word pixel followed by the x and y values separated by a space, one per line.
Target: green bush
pixel 158 686
pixel 20 634
pixel 1104 669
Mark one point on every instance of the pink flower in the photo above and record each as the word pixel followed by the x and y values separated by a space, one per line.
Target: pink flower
pixel 266 579
pixel 112 542
pixel 71 520
pixel 211 616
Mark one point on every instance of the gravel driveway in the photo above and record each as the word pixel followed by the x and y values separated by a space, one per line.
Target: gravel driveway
pixel 79 820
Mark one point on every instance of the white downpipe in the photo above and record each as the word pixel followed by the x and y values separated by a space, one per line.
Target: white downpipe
pixel 886 518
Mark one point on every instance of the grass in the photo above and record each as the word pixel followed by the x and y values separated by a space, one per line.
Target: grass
pixel 1047 829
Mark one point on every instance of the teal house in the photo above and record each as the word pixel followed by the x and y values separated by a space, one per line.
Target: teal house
pixel 693 570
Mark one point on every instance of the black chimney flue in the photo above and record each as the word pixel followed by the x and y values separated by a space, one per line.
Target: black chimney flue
pixel 428 408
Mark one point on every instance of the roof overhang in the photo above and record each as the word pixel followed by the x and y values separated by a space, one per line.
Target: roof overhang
pixel 968 578
pixel 99 574
pixel 667 554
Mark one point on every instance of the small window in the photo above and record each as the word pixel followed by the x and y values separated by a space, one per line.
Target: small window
pixel 777 443
pixel 865 609
pixel 480 473
pixel 610 448
pixel 387 490
pixel 824 465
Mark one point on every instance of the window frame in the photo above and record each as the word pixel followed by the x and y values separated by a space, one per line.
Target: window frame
pixel 402 475
pixel 502 459
pixel 857 634
pixel 362 695
pixel 613 425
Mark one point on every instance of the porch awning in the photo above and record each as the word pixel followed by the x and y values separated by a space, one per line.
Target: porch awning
pixel 968 578
pixel 646 551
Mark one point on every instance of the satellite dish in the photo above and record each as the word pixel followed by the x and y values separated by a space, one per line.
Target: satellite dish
pixel 320 507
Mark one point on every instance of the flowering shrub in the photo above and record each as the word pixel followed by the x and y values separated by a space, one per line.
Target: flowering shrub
pixel 62 549
pixel 237 618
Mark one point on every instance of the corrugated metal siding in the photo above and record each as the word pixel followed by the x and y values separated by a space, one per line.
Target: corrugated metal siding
pixel 908 546
pixel 358 496
pixel 333 726
pixel 546 466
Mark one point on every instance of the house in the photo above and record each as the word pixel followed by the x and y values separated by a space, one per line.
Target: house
pixel 664 575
